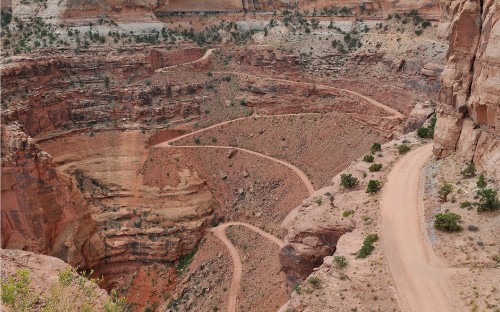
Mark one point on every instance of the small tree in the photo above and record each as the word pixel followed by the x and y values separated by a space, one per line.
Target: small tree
pixel 373 186
pixel 481 181
pixel 348 181
pixel 444 191
pixel 447 222
pixel 376 147
pixel 488 200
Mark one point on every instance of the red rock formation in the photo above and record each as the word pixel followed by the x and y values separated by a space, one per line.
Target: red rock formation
pixel 469 112
pixel 42 210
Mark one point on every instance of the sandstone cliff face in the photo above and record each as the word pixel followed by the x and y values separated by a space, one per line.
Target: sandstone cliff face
pixel 469 112
pixel 42 210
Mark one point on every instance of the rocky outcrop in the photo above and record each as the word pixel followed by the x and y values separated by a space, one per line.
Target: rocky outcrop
pixel 308 241
pixel 469 111
pixel 44 281
pixel 68 92
pixel 42 210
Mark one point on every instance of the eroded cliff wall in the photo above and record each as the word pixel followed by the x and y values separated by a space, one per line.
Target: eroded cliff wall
pixel 469 110
pixel 42 210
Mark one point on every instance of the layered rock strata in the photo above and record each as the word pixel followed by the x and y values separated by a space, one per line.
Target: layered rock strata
pixel 469 111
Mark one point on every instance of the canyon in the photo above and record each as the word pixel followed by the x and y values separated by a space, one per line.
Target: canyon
pixel 191 155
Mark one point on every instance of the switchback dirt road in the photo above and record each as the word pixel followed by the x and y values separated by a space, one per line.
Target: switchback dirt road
pixel 421 279
pixel 220 233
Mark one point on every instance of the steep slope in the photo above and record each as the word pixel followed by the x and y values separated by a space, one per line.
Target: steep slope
pixel 42 210
pixel 469 112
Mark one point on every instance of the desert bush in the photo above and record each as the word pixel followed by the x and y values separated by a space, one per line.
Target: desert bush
pixel 340 261
pixel 376 147
pixel 348 181
pixel 422 132
pixel 373 186
pixel 368 158
pixel 318 200
pixel 347 213
pixel 481 181
pixel 447 222
pixel 469 171
pixel 473 228
pixel 375 167
pixel 16 292
pixel 465 204
pixel 367 247
pixel 197 140
pixel 444 191
pixel 488 200
pixel 403 149
pixel 313 280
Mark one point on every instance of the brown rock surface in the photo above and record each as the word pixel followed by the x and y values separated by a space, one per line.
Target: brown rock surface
pixel 42 210
pixel 469 115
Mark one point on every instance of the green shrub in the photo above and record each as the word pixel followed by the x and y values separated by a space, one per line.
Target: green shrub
pixel 488 200
pixel 368 158
pixel 376 147
pixel 481 181
pixel 197 140
pixel 16 292
pixel 313 280
pixel 66 276
pixel 403 149
pixel 373 186
pixel 375 167
pixel 348 181
pixel 469 171
pixel 465 204
pixel 367 247
pixel 347 213
pixel 444 191
pixel 447 222
pixel 422 132
pixel 340 261
pixel 318 200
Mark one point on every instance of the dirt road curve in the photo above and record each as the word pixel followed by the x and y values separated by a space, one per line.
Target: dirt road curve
pixel 421 279
pixel 302 176
pixel 220 233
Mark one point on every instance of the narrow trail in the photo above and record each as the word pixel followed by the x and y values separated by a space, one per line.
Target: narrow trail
pixel 420 277
pixel 395 113
pixel 302 176
pixel 220 233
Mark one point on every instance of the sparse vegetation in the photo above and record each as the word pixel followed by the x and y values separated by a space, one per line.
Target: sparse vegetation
pixel 340 261
pixel 403 149
pixel 444 191
pixel 469 171
pixel 488 200
pixel 313 280
pixel 376 147
pixel 318 200
pixel 347 213
pixel 368 158
pixel 447 222
pixel 367 247
pixel 373 186
pixel 481 181
pixel 375 167
pixel 348 181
